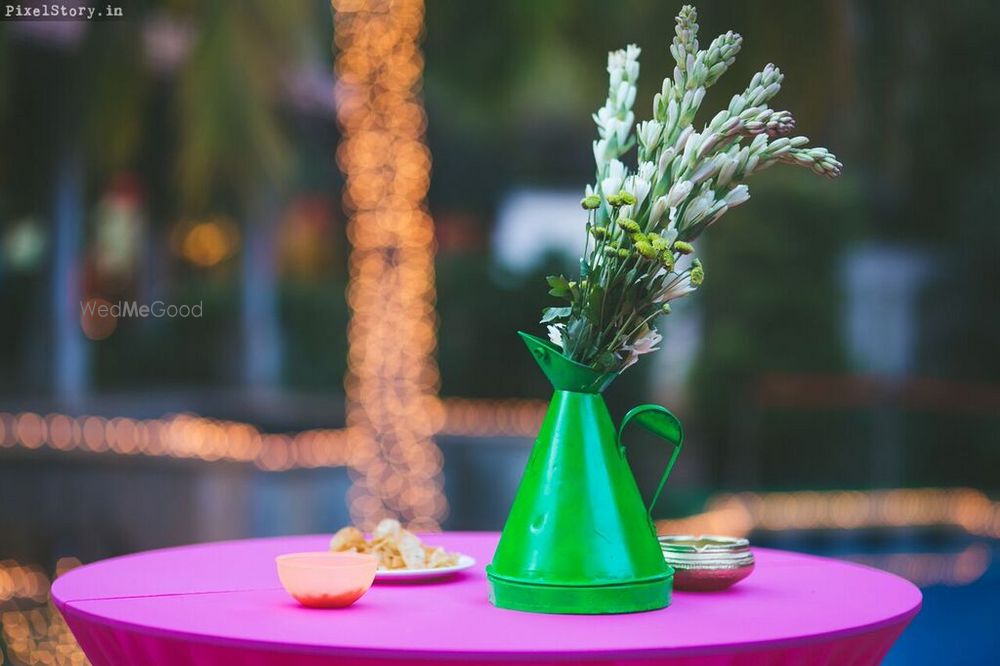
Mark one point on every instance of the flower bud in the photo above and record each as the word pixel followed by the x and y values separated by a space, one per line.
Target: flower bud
pixel 717 120
pixel 644 248
pixel 678 193
pixel 683 247
pixel 590 202
pixel 697 273
pixel 638 187
pixel 782 144
pixel 665 157
pixel 667 259
pixel 658 211
pixel 697 208
pixel 673 111
pixel 726 171
pixel 737 195
pixel 612 183
pixel 649 133
pixel 737 104
pixel 691 148
pixel 600 152
pixel 628 225
pixel 682 139
pixel 646 171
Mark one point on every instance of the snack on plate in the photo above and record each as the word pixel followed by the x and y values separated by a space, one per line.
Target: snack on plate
pixel 349 538
pixel 394 547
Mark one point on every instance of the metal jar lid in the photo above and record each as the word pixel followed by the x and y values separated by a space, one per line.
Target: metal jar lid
pixel 707 562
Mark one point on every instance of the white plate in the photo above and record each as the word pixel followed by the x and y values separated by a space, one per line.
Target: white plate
pixel 464 562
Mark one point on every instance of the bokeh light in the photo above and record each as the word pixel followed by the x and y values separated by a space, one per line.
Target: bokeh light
pixel 392 381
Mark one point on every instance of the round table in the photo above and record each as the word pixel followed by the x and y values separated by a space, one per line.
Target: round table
pixel 221 603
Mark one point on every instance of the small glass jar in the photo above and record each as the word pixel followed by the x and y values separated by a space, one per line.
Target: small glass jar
pixel 707 563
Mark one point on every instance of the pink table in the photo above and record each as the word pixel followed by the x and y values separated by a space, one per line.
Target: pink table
pixel 221 603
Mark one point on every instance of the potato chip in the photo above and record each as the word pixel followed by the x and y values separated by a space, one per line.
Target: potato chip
pixel 349 538
pixel 438 557
pixel 387 552
pixel 387 529
pixel 394 547
pixel 411 550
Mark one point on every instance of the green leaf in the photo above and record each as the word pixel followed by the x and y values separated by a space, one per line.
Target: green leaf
pixel 557 281
pixel 552 314
pixel 576 328
pixel 607 360
pixel 560 287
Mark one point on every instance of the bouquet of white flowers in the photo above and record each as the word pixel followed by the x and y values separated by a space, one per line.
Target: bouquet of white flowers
pixel 642 221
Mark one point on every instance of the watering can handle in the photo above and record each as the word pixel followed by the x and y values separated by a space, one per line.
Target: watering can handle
pixel 659 421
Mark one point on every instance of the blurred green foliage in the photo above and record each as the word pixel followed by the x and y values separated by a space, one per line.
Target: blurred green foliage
pixel 771 297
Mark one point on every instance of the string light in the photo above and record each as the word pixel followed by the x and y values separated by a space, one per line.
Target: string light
pixel 197 437
pixel 36 635
pixel 178 436
pixel 492 418
pixel 738 514
pixel 392 379
pixel 206 243
pixel 19 581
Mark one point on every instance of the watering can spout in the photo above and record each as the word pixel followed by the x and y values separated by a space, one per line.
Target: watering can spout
pixel 562 372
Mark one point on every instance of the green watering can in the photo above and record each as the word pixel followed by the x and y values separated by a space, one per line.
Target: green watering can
pixel 579 538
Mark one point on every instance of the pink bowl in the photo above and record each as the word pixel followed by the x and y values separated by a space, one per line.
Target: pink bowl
pixel 326 580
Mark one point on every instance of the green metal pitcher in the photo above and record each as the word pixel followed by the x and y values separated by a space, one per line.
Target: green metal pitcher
pixel 579 538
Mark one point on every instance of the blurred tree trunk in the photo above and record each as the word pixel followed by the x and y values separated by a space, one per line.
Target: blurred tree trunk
pixel 260 325
pixel 70 354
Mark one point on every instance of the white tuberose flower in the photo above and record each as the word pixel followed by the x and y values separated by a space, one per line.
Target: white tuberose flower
pixel 658 210
pixel 677 288
pixel 637 187
pixel 737 195
pixel 647 170
pixel 600 152
pixel 678 193
pixel 649 133
pixel 612 183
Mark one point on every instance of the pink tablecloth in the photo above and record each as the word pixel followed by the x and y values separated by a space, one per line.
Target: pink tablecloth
pixel 222 604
